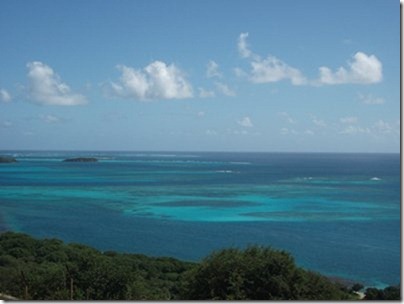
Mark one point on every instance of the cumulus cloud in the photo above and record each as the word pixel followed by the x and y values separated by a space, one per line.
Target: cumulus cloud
pixel 206 93
pixel 287 117
pixel 354 130
pixel 156 81
pixel 286 131
pixel 50 118
pixel 242 45
pixel 273 69
pixel 371 100
pixel 210 132
pixel 240 72
pixel 224 89
pixel 245 122
pixel 318 122
pixel 363 69
pixel 212 70
pixel 379 128
pixel 349 120
pixel 266 70
pixel 4 96
pixel 46 87
pixel 6 124
pixel 383 127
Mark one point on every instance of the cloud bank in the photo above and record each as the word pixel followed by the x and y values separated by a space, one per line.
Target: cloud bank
pixel 46 87
pixel 156 81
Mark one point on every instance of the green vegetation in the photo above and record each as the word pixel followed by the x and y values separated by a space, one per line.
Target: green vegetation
pixel 48 269
pixel 389 293
pixel 258 273
pixel 51 270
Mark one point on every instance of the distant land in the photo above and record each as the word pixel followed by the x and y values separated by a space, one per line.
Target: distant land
pixel 81 160
pixel 7 159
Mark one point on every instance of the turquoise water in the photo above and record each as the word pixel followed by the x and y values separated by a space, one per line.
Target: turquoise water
pixel 336 213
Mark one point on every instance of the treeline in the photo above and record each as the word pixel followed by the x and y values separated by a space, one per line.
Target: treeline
pixel 49 269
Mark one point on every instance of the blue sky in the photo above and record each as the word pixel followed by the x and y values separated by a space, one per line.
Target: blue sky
pixel 240 75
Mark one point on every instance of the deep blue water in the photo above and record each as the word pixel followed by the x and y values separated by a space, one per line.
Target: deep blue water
pixel 338 214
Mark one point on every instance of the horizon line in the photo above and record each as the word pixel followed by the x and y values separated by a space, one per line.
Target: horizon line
pixel 196 151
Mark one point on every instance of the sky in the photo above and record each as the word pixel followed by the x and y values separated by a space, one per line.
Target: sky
pixel 181 75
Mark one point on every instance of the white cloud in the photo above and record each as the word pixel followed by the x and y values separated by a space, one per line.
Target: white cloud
pixel 5 96
pixel 318 122
pixel 46 87
pixel 309 132
pixel 347 41
pixel 267 70
pixel 245 122
pixel 200 114
pixel 383 127
pixel 273 70
pixel 363 69
pixel 286 131
pixel 6 124
pixel 379 128
pixel 155 81
pixel 349 120
pixel 224 89
pixel 239 132
pixel 206 93
pixel 354 130
pixel 212 70
pixel 287 117
pixel 210 132
pixel 371 100
pixel 242 45
pixel 240 72
pixel 50 118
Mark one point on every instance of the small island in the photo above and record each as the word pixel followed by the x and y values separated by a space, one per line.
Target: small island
pixel 7 159
pixel 81 160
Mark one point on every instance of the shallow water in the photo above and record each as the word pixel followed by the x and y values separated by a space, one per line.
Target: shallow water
pixel 336 213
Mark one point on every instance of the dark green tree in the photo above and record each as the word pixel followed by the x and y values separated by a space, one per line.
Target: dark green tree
pixel 256 273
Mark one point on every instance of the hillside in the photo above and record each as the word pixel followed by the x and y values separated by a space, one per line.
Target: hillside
pixel 48 269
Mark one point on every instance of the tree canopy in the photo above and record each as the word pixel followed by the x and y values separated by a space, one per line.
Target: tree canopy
pixel 49 269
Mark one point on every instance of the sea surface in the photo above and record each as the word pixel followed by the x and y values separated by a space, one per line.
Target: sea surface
pixel 338 214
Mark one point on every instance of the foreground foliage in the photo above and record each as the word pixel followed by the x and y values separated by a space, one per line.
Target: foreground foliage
pixel 258 273
pixel 388 293
pixel 51 270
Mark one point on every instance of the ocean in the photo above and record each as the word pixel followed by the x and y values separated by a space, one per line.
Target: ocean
pixel 338 214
